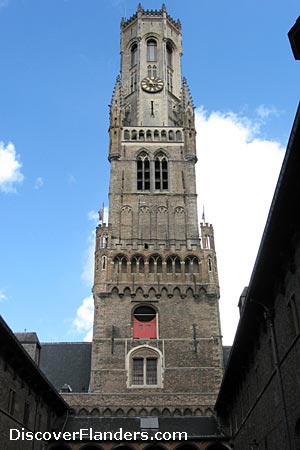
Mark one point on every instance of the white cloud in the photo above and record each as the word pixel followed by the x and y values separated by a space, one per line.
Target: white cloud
pixel 39 182
pixel 3 296
pixel 236 177
pixel 83 321
pixel 10 168
pixel 264 112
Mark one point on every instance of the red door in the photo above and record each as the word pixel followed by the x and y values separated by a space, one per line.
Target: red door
pixel 144 329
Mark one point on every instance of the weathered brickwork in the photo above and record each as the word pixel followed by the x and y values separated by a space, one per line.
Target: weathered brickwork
pixel 151 252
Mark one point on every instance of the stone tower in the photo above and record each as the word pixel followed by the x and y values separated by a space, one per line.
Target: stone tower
pixel 157 346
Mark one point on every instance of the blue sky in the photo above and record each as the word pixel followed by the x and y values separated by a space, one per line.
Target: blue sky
pixel 59 61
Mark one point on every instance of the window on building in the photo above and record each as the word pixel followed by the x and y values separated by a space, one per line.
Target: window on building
pixel 209 263
pixel 151 50
pixel 137 264
pixel 169 54
pixel 155 264
pixel 143 172
pixel 152 71
pixel 161 172
pixel 145 367
pixel 11 402
pixel 173 264
pixel 191 264
pixel 134 54
pixel 120 264
pixel 144 323
pixel 170 81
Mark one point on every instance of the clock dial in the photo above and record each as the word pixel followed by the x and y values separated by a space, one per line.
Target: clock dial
pixel 152 84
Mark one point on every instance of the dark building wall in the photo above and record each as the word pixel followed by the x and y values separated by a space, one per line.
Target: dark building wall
pixel 28 403
pixel 258 403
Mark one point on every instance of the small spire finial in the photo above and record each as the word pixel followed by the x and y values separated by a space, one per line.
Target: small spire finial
pixel 203 215
pixel 140 8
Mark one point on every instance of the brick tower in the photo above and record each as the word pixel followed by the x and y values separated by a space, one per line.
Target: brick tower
pixel 157 346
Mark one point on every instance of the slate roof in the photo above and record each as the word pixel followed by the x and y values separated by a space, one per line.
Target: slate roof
pixel 28 337
pixel 195 427
pixel 67 363
pixel 14 353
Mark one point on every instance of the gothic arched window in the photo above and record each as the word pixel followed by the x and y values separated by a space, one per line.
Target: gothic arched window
pixel 161 172
pixel 155 264
pixel 120 264
pixel 151 50
pixel 169 54
pixel 134 54
pixel 143 172
pixel 191 264
pixel 173 264
pixel 137 264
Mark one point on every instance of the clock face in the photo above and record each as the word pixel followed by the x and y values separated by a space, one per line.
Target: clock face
pixel 152 84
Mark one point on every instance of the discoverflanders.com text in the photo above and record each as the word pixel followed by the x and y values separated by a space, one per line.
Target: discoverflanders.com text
pixel 92 435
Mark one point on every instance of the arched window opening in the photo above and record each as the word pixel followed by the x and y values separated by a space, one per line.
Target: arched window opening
pixel 134 135
pixel 120 264
pixel 191 265
pixel 209 265
pixel 170 81
pixel 163 135
pixel 144 323
pixel 148 135
pixel 134 54
pixel 207 241
pixel 155 264
pixel 177 265
pixel 126 135
pixel 156 135
pixel 133 81
pixel 173 264
pixel 103 262
pixel 169 54
pixel 178 135
pixel 137 264
pixel 151 50
pixel 143 172
pixel 145 368
pixel 169 265
pixel 103 241
pixel 161 172
pixel 141 135
pixel 149 71
pixel 171 135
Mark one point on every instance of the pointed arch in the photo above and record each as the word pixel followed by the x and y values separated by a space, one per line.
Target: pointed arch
pixel 131 412
pixel 107 412
pixel 143 171
pixel 162 222
pixel 179 220
pixel 187 412
pixel 120 412
pixel 166 412
pixel 126 222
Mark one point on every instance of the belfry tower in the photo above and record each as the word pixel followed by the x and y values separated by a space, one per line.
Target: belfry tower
pixel 157 346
